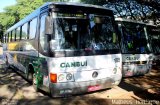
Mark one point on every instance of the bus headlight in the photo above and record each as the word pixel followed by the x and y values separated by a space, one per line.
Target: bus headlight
pixel 65 77
pixel 69 76
pixel 61 77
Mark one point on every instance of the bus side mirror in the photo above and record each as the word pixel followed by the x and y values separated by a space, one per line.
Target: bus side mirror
pixel 48 25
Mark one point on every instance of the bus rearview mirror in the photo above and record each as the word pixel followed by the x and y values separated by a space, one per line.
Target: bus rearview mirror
pixel 48 25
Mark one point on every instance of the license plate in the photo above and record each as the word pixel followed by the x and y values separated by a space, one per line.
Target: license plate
pixel 129 73
pixel 93 88
pixel 140 67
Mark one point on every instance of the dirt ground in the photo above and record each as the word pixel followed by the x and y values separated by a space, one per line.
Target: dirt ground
pixel 141 90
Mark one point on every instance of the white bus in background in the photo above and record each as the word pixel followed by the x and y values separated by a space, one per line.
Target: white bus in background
pixel 136 50
pixel 154 36
pixel 66 48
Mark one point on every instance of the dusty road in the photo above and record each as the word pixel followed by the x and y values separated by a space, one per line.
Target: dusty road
pixel 14 90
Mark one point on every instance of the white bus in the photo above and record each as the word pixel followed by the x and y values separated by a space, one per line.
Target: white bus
pixel 154 36
pixel 66 48
pixel 136 51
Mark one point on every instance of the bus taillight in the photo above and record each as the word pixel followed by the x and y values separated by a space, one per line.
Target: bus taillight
pixel 53 77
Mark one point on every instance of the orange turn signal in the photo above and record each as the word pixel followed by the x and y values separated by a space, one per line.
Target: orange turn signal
pixel 53 78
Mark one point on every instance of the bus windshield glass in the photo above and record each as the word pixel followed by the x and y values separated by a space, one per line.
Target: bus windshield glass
pixel 154 33
pixel 134 38
pixel 85 32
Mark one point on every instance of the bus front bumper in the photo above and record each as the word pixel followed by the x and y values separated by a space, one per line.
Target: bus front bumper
pixel 135 70
pixel 72 88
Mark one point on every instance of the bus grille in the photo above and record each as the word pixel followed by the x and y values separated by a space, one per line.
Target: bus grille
pixel 135 62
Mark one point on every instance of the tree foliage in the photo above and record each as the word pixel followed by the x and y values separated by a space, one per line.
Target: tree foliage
pixel 144 10
pixel 18 11
pixel 25 7
pixel 14 13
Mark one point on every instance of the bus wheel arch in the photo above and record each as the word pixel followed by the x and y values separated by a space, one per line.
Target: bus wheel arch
pixel 32 77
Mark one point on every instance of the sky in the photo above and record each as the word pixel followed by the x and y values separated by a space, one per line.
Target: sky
pixel 4 3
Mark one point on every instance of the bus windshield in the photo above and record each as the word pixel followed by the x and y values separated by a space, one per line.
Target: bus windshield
pixel 134 38
pixel 85 32
pixel 155 38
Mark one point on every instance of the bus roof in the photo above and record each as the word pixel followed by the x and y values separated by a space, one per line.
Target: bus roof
pixel 128 20
pixel 50 5
pixel 76 4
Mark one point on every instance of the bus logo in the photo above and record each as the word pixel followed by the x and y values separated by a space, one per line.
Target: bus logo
pixel 95 74
pixel 131 58
pixel 73 64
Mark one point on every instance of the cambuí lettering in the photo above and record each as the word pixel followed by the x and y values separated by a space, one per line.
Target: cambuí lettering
pixel 131 58
pixel 73 64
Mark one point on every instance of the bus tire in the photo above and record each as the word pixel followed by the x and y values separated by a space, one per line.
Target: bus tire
pixel 34 83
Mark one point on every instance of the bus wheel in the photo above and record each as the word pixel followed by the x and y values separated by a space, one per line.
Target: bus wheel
pixel 34 82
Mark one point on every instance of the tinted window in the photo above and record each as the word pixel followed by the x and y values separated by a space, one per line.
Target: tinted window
pixel 43 37
pixel 18 33
pixel 13 35
pixel 154 33
pixel 9 38
pixel 5 38
pixel 24 31
pixel 32 30
pixel 134 38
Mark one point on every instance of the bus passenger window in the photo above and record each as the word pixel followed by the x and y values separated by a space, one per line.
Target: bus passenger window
pixel 43 37
pixel 24 31
pixel 13 35
pixel 18 34
pixel 32 30
pixel 9 36
pixel 6 38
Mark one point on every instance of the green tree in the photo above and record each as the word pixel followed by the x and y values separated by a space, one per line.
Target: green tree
pixel 25 7
pixel 6 20
pixel 15 13
pixel 144 10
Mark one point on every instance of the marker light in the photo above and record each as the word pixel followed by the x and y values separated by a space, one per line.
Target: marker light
pixel 53 78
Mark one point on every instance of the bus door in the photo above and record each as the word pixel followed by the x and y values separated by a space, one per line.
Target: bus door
pixel 43 49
